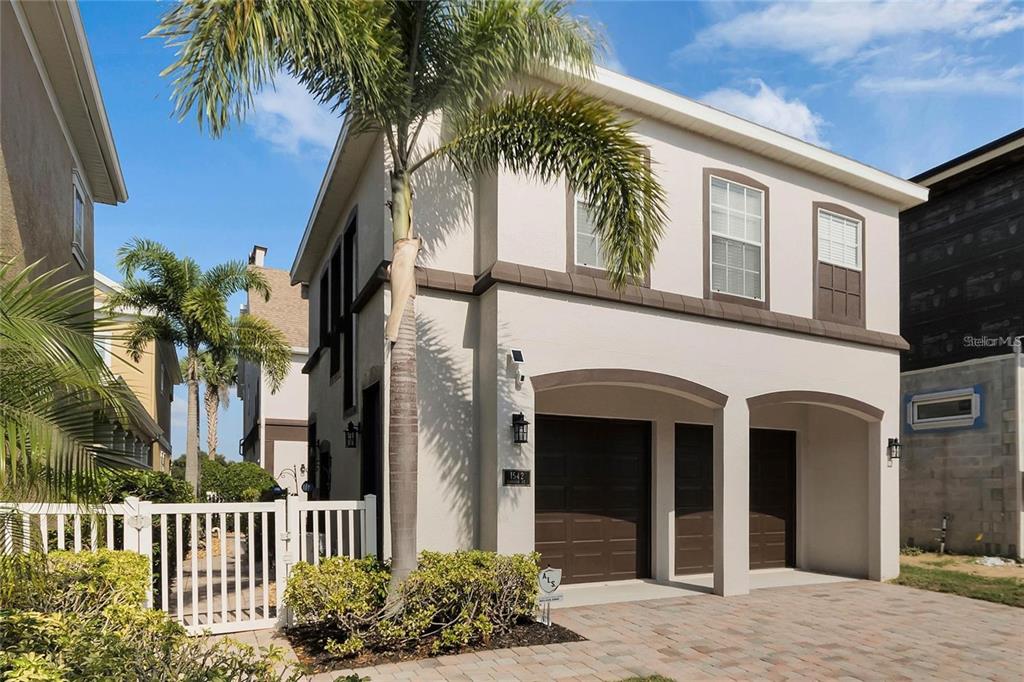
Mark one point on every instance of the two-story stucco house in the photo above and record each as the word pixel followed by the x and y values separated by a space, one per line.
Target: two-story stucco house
pixel 57 154
pixel 151 378
pixel 274 423
pixel 731 413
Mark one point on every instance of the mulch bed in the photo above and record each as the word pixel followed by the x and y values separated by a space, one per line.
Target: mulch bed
pixel 309 646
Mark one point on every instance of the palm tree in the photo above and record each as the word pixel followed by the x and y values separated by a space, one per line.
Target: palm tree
pixel 391 67
pixel 218 374
pixel 178 302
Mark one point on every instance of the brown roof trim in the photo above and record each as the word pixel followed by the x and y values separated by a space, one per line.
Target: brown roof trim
pixel 631 377
pixel 503 272
pixel 840 402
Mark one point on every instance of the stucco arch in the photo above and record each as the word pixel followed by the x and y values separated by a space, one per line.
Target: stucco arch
pixel 843 403
pixel 631 377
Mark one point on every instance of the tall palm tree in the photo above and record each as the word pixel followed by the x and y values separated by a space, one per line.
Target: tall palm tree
pixel 178 302
pixel 391 67
pixel 218 372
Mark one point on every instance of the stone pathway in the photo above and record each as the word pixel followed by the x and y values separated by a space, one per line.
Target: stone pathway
pixel 851 630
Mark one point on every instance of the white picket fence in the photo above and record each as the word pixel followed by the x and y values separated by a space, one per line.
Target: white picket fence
pixel 216 567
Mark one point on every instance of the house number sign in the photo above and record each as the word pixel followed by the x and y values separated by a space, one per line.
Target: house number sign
pixel 515 477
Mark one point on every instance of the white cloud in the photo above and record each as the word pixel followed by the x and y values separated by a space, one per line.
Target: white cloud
pixel 289 118
pixel 951 82
pixel 827 33
pixel 769 108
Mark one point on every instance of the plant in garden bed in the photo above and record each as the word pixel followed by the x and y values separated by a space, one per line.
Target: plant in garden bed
pixel 85 622
pixel 449 602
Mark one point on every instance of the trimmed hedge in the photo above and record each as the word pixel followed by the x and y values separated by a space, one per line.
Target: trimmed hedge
pixel 450 600
pixel 233 481
pixel 83 619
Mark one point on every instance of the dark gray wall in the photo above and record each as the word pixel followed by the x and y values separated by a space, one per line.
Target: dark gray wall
pixel 962 265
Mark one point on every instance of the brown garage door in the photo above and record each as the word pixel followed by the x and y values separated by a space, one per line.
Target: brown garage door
pixel 772 499
pixel 592 499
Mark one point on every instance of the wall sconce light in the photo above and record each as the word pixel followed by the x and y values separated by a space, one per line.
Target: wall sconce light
pixel 894 449
pixel 520 428
pixel 350 435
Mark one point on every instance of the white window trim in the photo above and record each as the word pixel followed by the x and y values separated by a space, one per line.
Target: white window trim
pixel 860 240
pixel 576 199
pixel 78 248
pixel 955 421
pixel 712 234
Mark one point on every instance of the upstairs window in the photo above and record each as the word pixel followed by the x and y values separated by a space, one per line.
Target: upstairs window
pixel 588 245
pixel 78 220
pixel 839 240
pixel 736 224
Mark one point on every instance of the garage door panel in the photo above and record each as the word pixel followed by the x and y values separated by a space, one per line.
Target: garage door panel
pixel 600 470
pixel 772 498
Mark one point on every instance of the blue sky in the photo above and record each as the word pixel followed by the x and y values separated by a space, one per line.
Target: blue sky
pixel 902 86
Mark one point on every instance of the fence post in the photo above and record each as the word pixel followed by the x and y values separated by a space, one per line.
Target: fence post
pixel 145 517
pixel 131 521
pixel 282 555
pixel 369 529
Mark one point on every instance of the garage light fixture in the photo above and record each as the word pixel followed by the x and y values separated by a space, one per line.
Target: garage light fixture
pixel 894 449
pixel 350 435
pixel 520 428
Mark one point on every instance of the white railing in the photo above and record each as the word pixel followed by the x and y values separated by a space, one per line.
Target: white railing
pixel 216 566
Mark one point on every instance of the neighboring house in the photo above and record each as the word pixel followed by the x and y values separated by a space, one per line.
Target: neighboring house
pixel 151 379
pixel 731 412
pixel 57 154
pixel 274 424
pixel 962 299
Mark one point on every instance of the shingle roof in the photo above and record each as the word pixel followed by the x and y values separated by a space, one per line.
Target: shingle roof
pixel 286 308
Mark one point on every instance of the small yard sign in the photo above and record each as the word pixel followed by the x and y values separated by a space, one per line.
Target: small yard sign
pixel 548 581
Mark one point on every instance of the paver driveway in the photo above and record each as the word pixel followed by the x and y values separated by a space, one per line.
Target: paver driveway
pixel 853 630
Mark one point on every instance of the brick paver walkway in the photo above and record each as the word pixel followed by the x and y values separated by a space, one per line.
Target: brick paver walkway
pixel 855 630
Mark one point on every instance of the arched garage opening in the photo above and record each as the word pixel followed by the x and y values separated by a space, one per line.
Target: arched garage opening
pixel 835 447
pixel 605 454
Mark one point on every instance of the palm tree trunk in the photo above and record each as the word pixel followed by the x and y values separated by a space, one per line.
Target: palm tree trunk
pixel 192 427
pixel 403 424
pixel 211 401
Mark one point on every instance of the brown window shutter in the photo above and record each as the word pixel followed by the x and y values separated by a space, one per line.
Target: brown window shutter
pixel 840 295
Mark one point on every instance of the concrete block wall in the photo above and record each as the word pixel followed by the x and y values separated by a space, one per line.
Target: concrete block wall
pixel 973 475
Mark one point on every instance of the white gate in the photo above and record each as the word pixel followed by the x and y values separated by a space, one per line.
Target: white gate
pixel 216 567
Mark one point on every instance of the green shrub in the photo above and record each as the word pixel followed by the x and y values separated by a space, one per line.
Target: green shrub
pixel 153 486
pixel 450 600
pixel 233 481
pixel 340 593
pixel 84 582
pixel 123 643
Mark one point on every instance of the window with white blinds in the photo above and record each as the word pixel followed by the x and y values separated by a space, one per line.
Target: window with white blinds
pixel 737 239
pixel 839 240
pixel 588 247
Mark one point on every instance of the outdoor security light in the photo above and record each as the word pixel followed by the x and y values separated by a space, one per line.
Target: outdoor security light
pixel 894 449
pixel 350 435
pixel 520 428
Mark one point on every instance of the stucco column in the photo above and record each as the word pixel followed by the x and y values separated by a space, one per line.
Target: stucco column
pixel 883 502
pixel 663 478
pixel 732 498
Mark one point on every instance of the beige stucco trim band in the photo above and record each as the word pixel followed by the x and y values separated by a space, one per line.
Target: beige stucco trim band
pixel 840 402
pixel 631 377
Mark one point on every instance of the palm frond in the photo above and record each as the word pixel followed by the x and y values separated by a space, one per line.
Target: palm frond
pixel 260 341
pixel 53 387
pixel 569 134
pixel 228 51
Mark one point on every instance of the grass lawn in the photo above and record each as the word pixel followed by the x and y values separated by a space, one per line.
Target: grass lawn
pixel 938 578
